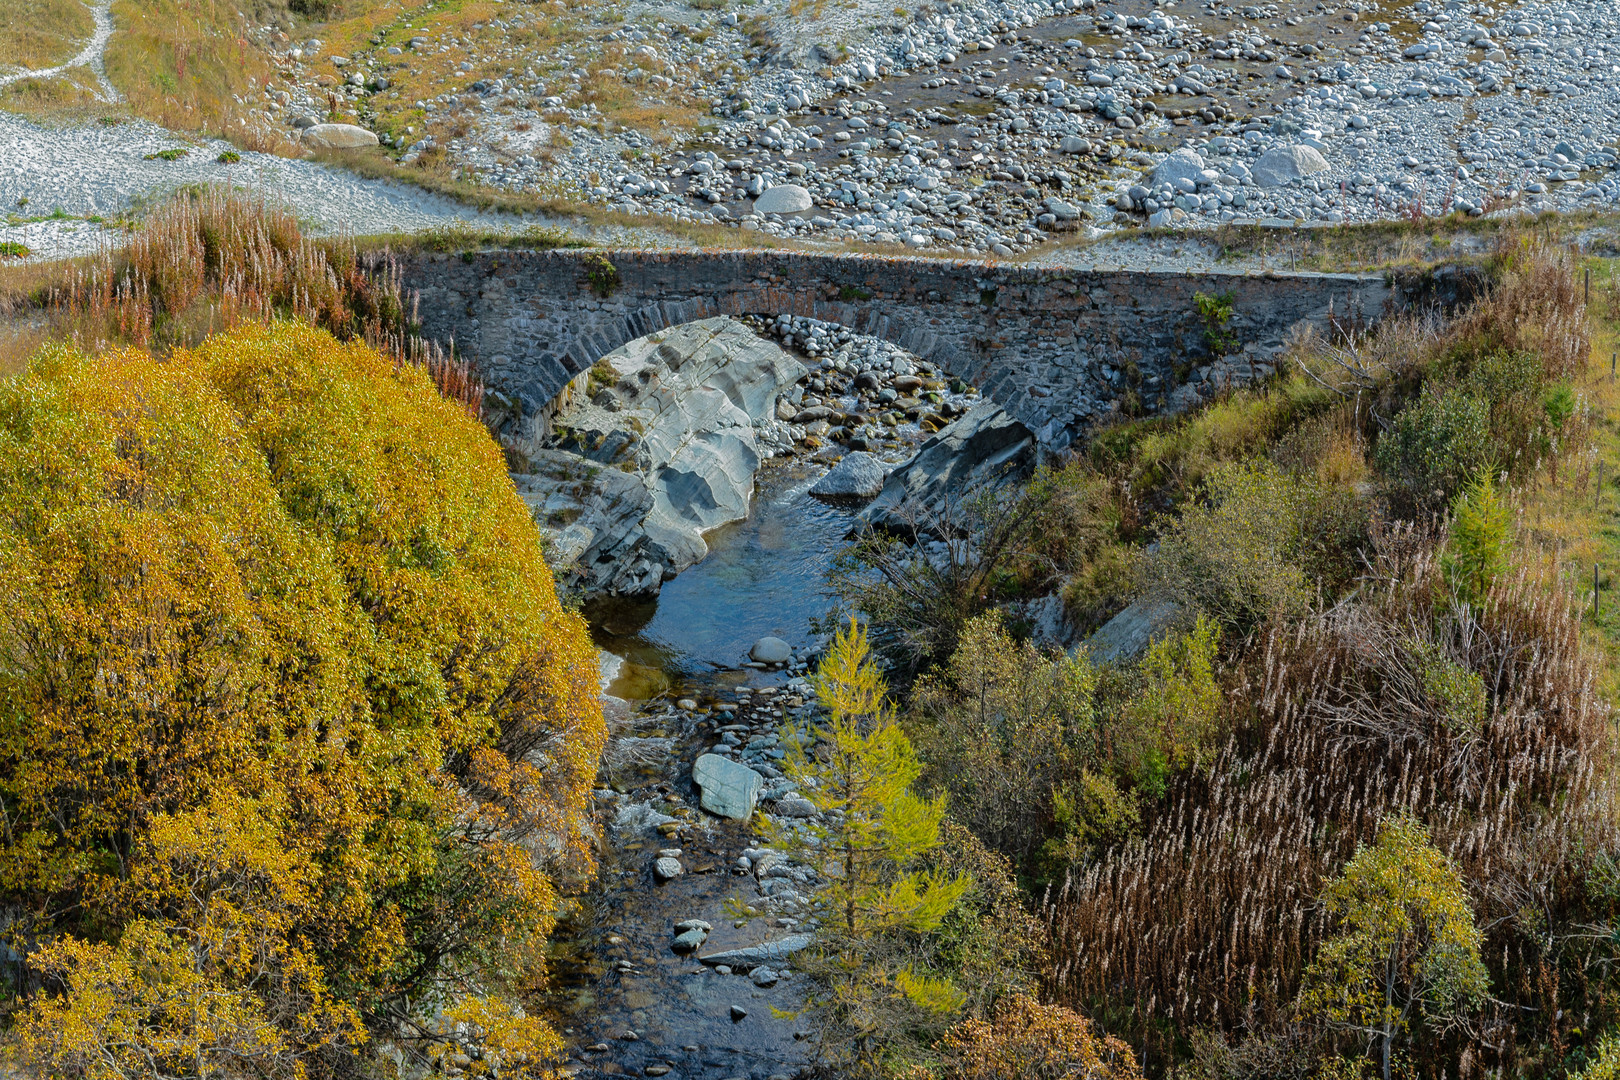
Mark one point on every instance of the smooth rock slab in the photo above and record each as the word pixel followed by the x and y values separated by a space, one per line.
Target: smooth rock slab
pixel 339 137
pixel 795 808
pixel 783 199
pixel 753 956
pixel 729 789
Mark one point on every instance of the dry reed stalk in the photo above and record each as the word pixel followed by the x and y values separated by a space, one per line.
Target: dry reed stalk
pixel 208 261
pixel 1211 917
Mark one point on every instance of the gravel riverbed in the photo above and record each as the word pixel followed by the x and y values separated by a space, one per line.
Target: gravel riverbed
pixel 992 127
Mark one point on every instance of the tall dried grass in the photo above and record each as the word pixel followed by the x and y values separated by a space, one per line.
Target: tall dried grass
pixel 1211 916
pixel 210 260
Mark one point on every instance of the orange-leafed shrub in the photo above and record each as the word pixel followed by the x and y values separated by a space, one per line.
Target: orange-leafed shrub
pixel 1031 1041
pixel 294 732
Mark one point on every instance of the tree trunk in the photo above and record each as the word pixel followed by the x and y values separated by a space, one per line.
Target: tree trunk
pixel 1389 1005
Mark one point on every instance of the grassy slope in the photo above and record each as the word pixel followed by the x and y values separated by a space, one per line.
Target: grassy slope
pixel 42 33
pixel 1574 522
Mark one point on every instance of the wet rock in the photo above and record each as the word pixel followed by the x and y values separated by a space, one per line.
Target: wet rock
pixel 666 869
pixel 752 956
pixel 764 976
pixel 692 924
pixel 771 650
pixel 984 448
pixel 783 199
pixel 688 941
pixel 738 1013
pixel 859 476
pixel 1283 164
pixel 729 789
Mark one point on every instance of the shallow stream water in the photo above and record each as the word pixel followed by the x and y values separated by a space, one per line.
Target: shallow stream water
pixel 626 1002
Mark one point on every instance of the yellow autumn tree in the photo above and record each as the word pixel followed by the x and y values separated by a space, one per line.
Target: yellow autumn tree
pixel 294 732
pixel 1406 942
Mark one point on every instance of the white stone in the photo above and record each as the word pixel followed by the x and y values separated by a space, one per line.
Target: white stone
pixel 666 868
pixel 338 137
pixel 1282 164
pixel 783 199
pixel 859 475
pixel 1183 164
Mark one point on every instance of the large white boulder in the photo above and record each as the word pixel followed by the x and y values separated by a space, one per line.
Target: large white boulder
pixel 338 137
pixel 1284 164
pixel 783 199
pixel 1184 164
pixel 661 455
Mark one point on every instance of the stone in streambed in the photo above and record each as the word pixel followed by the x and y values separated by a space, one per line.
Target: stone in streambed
pixel 688 941
pixel 1282 164
pixel 753 956
pixel 859 476
pixel 783 199
pixel 666 868
pixel 729 789
pixel 771 650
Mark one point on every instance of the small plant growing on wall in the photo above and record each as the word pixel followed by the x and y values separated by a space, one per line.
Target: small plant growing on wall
pixel 1215 312
pixel 602 275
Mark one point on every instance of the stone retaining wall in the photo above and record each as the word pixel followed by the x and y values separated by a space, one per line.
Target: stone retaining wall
pixel 1056 348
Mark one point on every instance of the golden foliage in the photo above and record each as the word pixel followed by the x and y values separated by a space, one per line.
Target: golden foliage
pixel 1031 1041
pixel 293 728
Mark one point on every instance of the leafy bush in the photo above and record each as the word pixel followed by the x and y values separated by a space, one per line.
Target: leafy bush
pixel 290 705
pixel 1215 312
pixel 11 249
pixel 1438 444
pixel 1257 545
pixel 1004 725
pixel 1406 941
pixel 1172 719
pixel 229 157
pixel 1030 1041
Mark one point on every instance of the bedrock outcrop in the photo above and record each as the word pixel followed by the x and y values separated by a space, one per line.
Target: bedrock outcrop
pixel 662 446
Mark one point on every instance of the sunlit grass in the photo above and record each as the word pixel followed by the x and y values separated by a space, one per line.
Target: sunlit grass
pixel 38 34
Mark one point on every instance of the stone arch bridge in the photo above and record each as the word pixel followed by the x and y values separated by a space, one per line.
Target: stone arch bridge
pixel 1054 347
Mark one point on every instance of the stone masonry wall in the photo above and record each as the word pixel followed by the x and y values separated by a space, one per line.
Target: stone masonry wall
pixel 1056 348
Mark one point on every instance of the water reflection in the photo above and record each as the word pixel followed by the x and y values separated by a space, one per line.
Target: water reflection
pixel 763 576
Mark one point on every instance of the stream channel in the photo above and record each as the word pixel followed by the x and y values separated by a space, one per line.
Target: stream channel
pixel 626 1002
